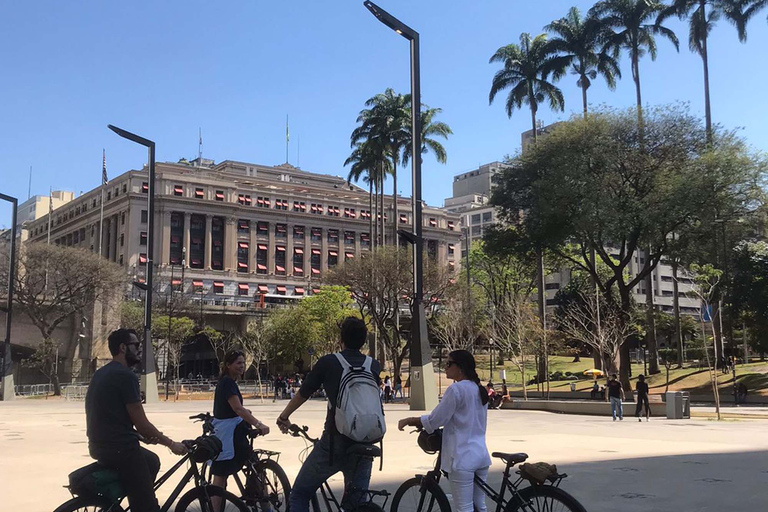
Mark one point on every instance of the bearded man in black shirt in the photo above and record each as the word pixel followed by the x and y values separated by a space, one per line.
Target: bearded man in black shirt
pixel 116 421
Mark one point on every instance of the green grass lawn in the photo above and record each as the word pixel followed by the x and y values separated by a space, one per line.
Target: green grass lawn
pixel 696 380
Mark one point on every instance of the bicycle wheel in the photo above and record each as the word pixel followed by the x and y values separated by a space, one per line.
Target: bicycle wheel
pixel 267 487
pixel 315 503
pixel 368 507
pixel 412 496
pixel 543 498
pixel 88 504
pixel 199 500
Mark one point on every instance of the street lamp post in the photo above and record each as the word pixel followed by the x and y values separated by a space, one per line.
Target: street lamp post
pixel 6 367
pixel 423 389
pixel 148 373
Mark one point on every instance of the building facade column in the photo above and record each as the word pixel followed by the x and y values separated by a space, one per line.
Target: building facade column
pixel 230 244
pixel 324 250
pixel 114 237
pixel 252 246
pixel 289 250
pixel 208 242
pixel 165 240
pixel 187 220
pixel 307 252
pixel 271 248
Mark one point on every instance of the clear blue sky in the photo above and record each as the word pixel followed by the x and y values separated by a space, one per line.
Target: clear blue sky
pixel 235 69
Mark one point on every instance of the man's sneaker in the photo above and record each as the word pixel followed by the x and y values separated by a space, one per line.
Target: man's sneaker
pixel 640 420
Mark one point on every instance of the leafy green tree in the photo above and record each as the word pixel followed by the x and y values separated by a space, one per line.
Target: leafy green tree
pixel 55 283
pixel 500 275
pixel 750 291
pixel 132 316
pixel 381 283
pixel 591 185
pixel 579 43
pixel 290 333
pixel 327 308
pixel 171 334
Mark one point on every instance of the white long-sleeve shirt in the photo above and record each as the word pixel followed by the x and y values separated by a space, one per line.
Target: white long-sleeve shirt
pixel 464 419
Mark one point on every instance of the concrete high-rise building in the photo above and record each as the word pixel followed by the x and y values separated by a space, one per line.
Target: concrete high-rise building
pixel 37 206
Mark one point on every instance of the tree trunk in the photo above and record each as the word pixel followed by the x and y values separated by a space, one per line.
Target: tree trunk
pixel 395 219
pixel 370 211
pixel 584 96
pixel 705 61
pixel 650 335
pixel 639 97
pixel 676 308
pixel 382 232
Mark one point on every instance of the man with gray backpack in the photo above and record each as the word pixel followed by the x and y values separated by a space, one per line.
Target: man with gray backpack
pixel 355 415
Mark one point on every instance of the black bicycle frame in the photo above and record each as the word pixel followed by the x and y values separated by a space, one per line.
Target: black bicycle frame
pixel 192 473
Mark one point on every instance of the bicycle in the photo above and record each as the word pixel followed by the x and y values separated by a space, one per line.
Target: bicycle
pixel 98 488
pixel 262 483
pixel 361 451
pixel 424 494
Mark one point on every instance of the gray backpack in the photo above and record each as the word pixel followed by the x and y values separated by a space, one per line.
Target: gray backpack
pixel 359 414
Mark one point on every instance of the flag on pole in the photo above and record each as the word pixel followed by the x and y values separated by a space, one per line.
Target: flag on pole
pixel 104 179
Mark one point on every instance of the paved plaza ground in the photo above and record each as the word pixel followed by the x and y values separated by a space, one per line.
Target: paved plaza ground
pixel 663 465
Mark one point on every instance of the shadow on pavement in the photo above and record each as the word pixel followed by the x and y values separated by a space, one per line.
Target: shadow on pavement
pixel 736 481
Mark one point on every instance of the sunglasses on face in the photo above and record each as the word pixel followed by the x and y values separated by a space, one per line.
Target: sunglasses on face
pixel 448 364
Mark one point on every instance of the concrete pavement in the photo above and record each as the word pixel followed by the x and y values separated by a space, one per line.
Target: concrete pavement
pixel 662 465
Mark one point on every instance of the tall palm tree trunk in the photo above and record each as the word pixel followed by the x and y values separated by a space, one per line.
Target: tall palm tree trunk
pixel 396 218
pixel 542 301
pixel 650 335
pixel 381 208
pixel 676 310
pixel 584 95
pixel 705 61
pixel 370 208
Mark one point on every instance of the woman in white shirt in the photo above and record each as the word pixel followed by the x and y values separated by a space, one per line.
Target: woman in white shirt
pixel 463 415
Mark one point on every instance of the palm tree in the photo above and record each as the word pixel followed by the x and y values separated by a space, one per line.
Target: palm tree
pixel 634 30
pixel 702 15
pixel 367 162
pixel 429 130
pixel 526 67
pixel 387 119
pixel 580 46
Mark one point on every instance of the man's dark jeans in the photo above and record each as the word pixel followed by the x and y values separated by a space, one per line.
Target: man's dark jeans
pixel 137 468
pixel 318 468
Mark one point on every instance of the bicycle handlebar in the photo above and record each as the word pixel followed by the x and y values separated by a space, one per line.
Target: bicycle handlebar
pixel 297 431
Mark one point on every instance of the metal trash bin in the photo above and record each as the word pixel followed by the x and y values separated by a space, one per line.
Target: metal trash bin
pixel 678 405
pixel 573 387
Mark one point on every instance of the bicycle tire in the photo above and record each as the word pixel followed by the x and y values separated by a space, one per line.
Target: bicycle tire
pixel 198 499
pixel 278 488
pixel 368 507
pixel 315 503
pixel 408 497
pixel 89 504
pixel 541 498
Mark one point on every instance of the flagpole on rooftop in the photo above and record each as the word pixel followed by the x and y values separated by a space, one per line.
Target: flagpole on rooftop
pixel 287 138
pixel 103 183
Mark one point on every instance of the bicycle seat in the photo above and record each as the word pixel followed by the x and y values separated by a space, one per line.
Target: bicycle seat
pixel 511 458
pixel 364 450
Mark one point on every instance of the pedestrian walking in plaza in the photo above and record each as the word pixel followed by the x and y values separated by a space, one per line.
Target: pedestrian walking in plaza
pixel 387 389
pixel 642 398
pixel 615 396
pixel 463 414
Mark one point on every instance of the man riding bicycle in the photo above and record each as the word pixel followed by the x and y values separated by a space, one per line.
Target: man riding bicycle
pixel 116 420
pixel 329 455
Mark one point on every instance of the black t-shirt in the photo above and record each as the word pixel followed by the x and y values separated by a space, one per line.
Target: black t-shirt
pixel 642 389
pixel 226 388
pixel 327 373
pixel 109 427
pixel 614 389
